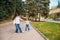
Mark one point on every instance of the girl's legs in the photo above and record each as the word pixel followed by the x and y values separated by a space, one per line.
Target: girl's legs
pixel 27 27
pixel 18 27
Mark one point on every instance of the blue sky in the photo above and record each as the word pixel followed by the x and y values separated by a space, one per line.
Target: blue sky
pixel 53 3
pixel 23 0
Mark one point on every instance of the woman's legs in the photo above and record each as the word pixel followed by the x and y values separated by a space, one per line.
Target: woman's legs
pixel 18 27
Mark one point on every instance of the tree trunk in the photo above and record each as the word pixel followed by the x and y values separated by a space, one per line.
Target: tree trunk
pixel 26 16
pixel 35 19
pixel 15 7
pixel 14 10
pixel 39 16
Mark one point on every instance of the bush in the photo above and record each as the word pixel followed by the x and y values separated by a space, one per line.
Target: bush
pixel 52 16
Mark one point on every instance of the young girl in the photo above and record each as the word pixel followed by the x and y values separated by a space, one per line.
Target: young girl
pixel 27 25
pixel 16 21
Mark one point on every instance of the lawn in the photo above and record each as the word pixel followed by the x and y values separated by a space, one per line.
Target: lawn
pixel 49 29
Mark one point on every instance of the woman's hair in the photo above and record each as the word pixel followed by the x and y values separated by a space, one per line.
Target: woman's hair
pixel 15 16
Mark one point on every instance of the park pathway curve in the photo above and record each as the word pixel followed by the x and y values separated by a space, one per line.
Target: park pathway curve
pixel 8 33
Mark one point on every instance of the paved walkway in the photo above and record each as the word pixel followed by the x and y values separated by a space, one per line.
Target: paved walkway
pixel 8 33
pixel 50 20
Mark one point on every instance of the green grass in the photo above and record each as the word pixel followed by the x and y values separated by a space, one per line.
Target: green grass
pixel 49 29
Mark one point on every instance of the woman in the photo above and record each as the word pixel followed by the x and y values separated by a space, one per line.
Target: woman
pixel 16 21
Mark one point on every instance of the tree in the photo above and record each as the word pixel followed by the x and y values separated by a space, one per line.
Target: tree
pixel 28 7
pixel 58 4
pixel 8 8
pixel 45 8
pixel 37 6
pixel 42 7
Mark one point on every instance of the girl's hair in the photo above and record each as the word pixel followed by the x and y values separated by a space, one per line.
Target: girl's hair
pixel 15 16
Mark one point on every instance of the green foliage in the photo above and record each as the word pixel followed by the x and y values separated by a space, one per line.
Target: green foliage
pixel 58 14
pixel 10 7
pixel 51 16
pixel 54 16
pixel 58 4
pixel 7 8
pixel 39 6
